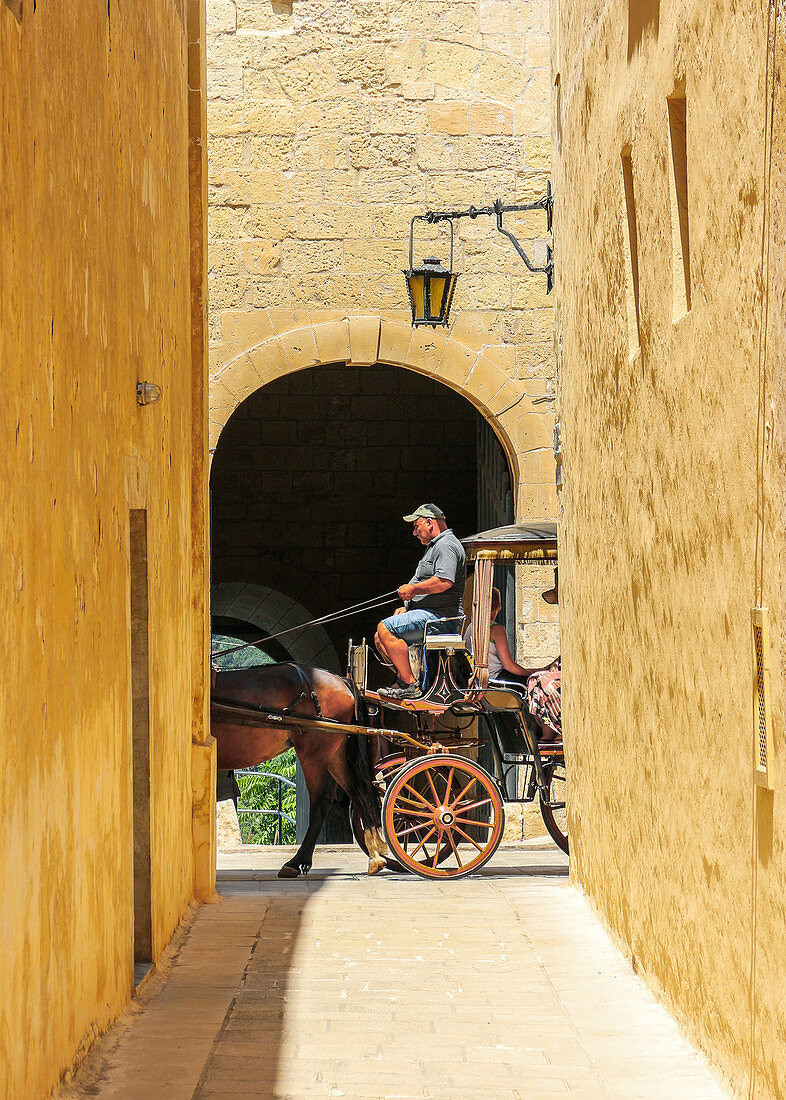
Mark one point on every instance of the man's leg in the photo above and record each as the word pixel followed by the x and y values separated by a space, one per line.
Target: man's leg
pixel 397 652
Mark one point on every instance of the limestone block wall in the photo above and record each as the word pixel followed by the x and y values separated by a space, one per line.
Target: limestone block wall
pixel 95 296
pixel 331 123
pixel 669 155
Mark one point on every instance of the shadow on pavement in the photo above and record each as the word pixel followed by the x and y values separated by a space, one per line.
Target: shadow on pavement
pixel 247 1051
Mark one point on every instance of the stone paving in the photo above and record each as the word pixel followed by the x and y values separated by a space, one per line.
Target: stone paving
pixel 501 985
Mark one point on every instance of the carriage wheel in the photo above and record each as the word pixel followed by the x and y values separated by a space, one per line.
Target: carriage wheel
pixel 553 807
pixel 433 816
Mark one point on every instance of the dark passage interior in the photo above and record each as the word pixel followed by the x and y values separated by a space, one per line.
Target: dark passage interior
pixel 313 473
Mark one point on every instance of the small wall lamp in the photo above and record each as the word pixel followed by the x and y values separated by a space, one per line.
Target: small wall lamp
pixel 430 286
pixel 147 393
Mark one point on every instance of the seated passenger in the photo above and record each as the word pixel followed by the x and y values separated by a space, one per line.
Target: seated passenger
pixel 500 660
pixel 544 700
pixel 433 593
pixel 543 686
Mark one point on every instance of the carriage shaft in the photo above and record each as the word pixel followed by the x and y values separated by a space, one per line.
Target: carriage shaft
pixel 240 714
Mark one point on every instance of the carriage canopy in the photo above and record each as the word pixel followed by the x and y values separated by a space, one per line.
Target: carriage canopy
pixel 532 542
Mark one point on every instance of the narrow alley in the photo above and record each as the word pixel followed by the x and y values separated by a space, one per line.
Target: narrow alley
pixel 502 985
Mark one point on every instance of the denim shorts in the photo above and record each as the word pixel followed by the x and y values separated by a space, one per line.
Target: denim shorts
pixel 410 626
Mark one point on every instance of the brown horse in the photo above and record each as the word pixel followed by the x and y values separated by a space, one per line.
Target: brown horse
pixel 314 693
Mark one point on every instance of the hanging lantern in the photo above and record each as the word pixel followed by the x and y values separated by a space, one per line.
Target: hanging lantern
pixel 430 286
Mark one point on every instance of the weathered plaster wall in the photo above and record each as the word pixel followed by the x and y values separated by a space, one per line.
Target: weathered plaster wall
pixel 94 295
pixel 331 124
pixel 671 497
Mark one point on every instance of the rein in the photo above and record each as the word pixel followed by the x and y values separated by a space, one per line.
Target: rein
pixel 347 612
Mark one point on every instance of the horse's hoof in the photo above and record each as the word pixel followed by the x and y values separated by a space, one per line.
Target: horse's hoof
pixel 376 865
pixel 287 871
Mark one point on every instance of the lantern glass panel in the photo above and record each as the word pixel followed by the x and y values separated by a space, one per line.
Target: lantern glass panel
pixel 417 293
pixel 437 285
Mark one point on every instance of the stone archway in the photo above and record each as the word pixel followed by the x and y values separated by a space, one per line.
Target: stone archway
pixel 263 347
pixel 272 611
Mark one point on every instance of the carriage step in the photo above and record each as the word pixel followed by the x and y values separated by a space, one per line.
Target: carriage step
pixel 545 748
pixel 408 704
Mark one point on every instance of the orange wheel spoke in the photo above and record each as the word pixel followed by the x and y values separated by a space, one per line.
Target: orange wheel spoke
pixel 437 799
pixel 405 821
pixel 453 846
pixel 411 805
pixel 463 792
pixel 472 805
pixel 475 824
pixel 449 786
pixel 412 829
pixel 423 841
pixel 417 794
pixel 416 813
pixel 437 848
pixel 469 838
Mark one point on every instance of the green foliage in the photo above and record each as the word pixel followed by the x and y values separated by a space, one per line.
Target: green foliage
pixel 248 657
pixel 259 791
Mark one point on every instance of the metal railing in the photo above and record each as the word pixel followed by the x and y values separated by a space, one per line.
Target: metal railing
pixel 279 813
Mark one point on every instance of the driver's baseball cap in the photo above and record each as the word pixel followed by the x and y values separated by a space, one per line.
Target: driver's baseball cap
pixel 426 511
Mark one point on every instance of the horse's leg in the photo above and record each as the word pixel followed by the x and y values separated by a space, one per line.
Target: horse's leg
pixel 319 797
pixel 375 842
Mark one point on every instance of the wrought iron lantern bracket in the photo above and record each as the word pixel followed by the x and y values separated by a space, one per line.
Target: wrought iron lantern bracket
pixel 497 210
pixel 431 286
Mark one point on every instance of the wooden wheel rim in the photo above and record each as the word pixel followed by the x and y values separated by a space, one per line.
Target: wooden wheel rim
pixel 555 813
pixel 431 814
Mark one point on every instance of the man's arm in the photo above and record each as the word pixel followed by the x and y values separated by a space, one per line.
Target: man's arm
pixel 424 588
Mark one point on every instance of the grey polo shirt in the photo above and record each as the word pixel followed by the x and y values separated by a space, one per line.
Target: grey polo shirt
pixel 444 558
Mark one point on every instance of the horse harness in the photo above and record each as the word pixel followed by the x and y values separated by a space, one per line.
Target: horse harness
pixel 306 691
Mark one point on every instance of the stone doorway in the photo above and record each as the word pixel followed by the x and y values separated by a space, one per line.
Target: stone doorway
pixel 311 476
pixel 313 472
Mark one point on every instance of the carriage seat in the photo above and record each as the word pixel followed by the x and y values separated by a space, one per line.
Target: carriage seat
pixel 506 696
pixel 445 641
pixel 440 662
pixel 512 726
pixel 444 634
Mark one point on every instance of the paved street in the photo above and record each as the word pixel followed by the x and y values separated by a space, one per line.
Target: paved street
pixel 501 986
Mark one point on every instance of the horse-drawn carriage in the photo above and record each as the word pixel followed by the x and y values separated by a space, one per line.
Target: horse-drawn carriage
pixel 442 812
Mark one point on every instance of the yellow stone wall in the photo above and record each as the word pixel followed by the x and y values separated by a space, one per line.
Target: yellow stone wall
pixel 671 529
pixel 95 294
pixel 330 125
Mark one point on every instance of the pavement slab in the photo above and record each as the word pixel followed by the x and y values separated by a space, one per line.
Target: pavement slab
pixel 500 985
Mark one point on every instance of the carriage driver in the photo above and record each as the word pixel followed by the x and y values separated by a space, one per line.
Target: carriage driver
pixel 433 593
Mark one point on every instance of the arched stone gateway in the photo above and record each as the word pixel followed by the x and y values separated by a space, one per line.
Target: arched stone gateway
pixel 263 348
pixel 272 611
